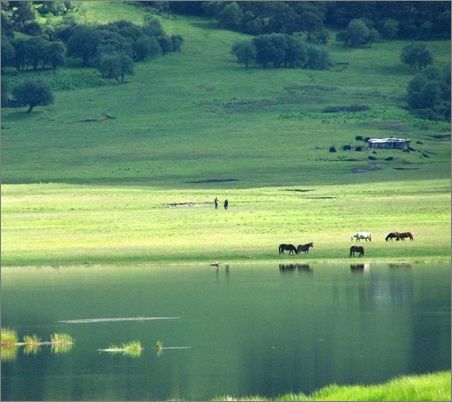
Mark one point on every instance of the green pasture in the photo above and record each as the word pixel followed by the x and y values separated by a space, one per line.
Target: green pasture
pixel 83 188
pixel 429 387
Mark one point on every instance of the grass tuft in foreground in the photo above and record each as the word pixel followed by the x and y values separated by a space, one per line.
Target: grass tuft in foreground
pixel 131 349
pixel 428 387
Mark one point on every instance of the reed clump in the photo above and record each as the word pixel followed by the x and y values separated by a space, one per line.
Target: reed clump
pixel 32 344
pixel 132 349
pixel 9 338
pixel 61 342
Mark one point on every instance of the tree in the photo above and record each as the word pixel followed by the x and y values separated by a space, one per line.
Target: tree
pixel 32 93
pixel 7 27
pixel 176 41
pixel 152 26
pixel 35 52
pixel 357 34
pixel 5 91
pixel 416 55
pixel 318 59
pixel 22 13
pixel 245 52
pixel 146 46
pixel 8 52
pixel 55 54
pixel 83 43
pixel 231 15
pixel 116 66
pixel 311 22
pixel 428 93
pixel 165 44
pixel 390 28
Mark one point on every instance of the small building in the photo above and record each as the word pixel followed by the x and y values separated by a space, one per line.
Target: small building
pixel 389 143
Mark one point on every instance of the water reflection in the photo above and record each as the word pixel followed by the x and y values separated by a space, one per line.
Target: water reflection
pixel 283 268
pixel 360 267
pixel 405 266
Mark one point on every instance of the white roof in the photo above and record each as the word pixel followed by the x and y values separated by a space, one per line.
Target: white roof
pixel 383 140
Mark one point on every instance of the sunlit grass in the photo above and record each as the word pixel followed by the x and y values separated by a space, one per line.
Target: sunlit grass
pixel 429 387
pixel 61 342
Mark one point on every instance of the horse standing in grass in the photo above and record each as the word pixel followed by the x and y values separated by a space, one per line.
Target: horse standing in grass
pixel 304 247
pixel 404 235
pixel 289 247
pixel 392 235
pixel 356 249
pixel 362 236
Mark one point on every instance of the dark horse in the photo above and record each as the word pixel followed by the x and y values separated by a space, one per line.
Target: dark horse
pixel 356 249
pixel 392 235
pixel 290 247
pixel 304 247
pixel 404 235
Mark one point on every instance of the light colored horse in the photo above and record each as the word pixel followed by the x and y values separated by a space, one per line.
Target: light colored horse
pixel 361 236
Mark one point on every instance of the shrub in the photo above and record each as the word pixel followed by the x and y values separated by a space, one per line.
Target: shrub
pixel 350 108
pixel 332 149
pixel 358 138
pixel 358 148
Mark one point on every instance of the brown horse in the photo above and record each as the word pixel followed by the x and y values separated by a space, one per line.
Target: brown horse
pixel 289 247
pixel 356 249
pixel 392 235
pixel 304 247
pixel 404 235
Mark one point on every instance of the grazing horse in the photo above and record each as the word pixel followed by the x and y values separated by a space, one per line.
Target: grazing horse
pixel 356 249
pixel 404 235
pixel 290 247
pixel 304 247
pixel 392 235
pixel 362 236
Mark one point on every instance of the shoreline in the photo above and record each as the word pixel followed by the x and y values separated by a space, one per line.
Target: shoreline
pixel 246 261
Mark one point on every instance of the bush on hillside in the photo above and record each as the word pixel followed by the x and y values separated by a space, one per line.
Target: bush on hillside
pixel 357 34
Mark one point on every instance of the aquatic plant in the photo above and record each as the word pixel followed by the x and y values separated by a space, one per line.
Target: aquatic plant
pixel 61 338
pixel 31 344
pixel 61 342
pixel 132 349
pixel 8 338
pixel 159 345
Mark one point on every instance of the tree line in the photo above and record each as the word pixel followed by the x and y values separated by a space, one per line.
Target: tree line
pixel 392 20
pixel 280 50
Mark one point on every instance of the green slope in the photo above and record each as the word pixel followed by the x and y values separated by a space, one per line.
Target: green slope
pixel 197 116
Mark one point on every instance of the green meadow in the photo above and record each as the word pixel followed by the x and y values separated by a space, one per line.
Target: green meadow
pixel 80 188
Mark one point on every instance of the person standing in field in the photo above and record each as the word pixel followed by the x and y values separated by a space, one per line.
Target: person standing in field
pixel 216 203
pixel 226 203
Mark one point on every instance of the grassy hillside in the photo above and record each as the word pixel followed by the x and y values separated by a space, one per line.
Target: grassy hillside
pixel 78 191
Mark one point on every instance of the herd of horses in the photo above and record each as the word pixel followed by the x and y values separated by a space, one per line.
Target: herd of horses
pixel 353 249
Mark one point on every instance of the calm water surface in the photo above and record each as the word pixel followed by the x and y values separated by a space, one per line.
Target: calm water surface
pixel 252 329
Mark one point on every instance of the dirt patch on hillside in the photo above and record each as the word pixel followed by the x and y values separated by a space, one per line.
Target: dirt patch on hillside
pixel 211 181
pixel 187 204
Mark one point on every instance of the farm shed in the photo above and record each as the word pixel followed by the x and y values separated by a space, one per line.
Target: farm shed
pixel 389 143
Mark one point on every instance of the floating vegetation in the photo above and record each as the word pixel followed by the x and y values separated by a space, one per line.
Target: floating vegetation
pixel 94 320
pixel 159 346
pixel 61 342
pixel 31 344
pixel 131 349
pixel 9 338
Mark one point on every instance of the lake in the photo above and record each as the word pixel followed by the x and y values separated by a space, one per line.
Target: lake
pixel 248 328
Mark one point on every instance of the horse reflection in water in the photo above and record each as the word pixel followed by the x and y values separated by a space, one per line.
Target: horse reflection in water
pixel 405 266
pixel 292 267
pixel 360 267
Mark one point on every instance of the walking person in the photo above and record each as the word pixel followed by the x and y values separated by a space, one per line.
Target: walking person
pixel 216 203
pixel 226 203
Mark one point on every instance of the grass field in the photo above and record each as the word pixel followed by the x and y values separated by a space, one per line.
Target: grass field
pixel 80 192
pixel 430 387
